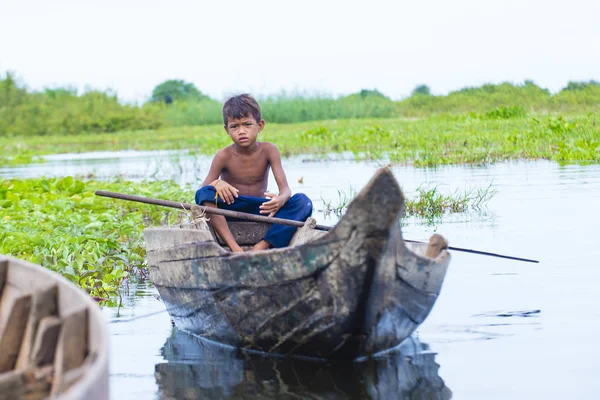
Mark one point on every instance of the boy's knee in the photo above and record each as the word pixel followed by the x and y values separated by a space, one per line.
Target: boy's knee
pixel 205 194
pixel 304 201
pixel 301 197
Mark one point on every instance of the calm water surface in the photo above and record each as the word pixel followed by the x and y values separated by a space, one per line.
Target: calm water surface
pixel 500 329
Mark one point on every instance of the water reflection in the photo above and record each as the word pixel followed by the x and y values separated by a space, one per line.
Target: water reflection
pixel 196 368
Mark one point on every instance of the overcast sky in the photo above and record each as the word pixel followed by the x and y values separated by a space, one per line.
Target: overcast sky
pixel 331 47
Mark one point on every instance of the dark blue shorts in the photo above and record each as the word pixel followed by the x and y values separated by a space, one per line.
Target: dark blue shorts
pixel 298 207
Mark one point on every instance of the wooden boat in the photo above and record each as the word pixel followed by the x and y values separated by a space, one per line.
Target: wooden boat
pixel 53 338
pixel 196 368
pixel 353 291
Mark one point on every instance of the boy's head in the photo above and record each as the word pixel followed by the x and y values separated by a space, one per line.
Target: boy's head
pixel 241 106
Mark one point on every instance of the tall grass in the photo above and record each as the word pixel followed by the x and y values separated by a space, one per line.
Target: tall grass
pixel 430 141
pixel 62 111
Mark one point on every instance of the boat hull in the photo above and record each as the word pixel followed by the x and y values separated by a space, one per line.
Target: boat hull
pixel 313 300
pixel 53 337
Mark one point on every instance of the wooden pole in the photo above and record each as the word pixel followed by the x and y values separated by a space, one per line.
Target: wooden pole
pixel 208 210
pixel 270 220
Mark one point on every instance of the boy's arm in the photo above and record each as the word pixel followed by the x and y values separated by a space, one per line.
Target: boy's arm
pixel 224 189
pixel 216 167
pixel 277 201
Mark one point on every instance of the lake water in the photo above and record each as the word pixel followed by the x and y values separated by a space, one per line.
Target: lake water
pixel 500 329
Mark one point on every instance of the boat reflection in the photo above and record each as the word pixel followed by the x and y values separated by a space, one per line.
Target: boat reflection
pixel 197 368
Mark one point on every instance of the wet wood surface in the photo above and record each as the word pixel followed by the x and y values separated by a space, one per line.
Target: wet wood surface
pixel 53 338
pixel 320 298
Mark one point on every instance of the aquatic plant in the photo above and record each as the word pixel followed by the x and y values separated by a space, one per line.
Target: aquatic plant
pixel 339 208
pixel 430 203
pixel 92 241
pixel 97 242
pixel 463 139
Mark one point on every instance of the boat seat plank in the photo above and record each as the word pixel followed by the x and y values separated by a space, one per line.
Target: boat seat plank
pixel 71 349
pixel 45 342
pixel 3 273
pixel 45 304
pixel 73 339
pixel 11 334
pixel 246 233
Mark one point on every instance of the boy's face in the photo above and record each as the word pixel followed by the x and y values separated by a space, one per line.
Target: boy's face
pixel 243 131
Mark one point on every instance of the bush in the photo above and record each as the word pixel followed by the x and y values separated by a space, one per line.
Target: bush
pixel 62 111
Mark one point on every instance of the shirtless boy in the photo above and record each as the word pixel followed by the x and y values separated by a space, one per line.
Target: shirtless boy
pixel 238 178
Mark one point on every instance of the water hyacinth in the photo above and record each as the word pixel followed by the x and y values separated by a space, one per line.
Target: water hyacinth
pixel 92 241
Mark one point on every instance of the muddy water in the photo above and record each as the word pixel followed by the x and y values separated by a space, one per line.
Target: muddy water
pixel 500 329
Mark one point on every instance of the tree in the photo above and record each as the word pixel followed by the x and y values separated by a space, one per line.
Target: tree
pixel 370 93
pixel 421 90
pixel 176 89
pixel 576 86
pixel 367 94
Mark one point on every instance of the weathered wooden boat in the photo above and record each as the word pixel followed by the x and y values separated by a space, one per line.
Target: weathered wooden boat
pixel 353 291
pixel 199 369
pixel 53 338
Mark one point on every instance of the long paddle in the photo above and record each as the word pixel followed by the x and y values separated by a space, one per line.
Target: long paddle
pixel 269 220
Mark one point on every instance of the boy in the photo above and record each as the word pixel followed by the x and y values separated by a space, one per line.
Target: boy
pixel 238 178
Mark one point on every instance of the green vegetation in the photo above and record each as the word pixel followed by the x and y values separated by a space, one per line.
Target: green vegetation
pixel 92 241
pixel 430 204
pixel 176 90
pixel 501 134
pixel 97 242
pixel 62 111
pixel 421 90
pixel 176 103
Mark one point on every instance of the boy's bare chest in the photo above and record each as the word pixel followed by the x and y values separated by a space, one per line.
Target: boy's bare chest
pixel 247 169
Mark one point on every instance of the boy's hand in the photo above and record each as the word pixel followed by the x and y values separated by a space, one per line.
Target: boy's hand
pixel 272 206
pixel 225 191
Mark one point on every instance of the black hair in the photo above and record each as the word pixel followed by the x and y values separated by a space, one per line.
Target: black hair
pixel 241 106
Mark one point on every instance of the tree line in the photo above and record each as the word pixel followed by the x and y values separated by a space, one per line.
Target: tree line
pixel 180 103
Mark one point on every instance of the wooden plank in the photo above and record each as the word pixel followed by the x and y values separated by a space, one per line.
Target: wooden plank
pixel 11 385
pixel 246 233
pixel 74 334
pixel 159 238
pixel 307 233
pixel 12 333
pixel 3 273
pixel 72 348
pixel 71 377
pixel 45 342
pixel 45 304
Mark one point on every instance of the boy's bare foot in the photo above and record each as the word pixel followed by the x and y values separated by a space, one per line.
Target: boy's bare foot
pixel 262 245
pixel 237 249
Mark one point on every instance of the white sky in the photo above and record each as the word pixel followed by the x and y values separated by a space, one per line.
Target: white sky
pixel 331 47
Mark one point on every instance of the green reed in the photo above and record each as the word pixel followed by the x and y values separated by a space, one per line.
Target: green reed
pixel 431 141
pixel 429 203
